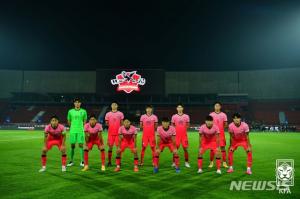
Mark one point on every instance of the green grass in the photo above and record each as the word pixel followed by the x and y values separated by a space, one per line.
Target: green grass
pixel 20 161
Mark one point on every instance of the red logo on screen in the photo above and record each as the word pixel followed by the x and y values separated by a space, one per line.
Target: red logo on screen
pixel 128 81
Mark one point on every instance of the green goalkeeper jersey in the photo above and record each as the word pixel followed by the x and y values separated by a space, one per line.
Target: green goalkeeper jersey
pixel 77 119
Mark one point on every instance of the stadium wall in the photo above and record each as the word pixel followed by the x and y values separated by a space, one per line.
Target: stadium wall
pixel 259 84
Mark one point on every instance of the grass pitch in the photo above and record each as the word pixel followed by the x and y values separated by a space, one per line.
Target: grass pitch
pixel 20 153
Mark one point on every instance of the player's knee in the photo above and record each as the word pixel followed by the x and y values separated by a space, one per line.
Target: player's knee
pixel 44 150
pixel 231 149
pixel 80 145
pixel 73 146
pixel 63 150
pixel 222 148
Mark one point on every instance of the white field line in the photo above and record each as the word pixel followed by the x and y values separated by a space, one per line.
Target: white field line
pixel 13 140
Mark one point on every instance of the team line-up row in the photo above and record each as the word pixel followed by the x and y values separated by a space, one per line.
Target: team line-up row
pixel 170 133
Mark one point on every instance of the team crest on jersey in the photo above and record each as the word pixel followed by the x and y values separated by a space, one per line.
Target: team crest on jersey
pixel 128 81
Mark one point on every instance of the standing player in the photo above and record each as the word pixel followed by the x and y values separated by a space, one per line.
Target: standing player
pixel 220 119
pixel 181 122
pixel 127 139
pixel 93 136
pixel 114 120
pixel 148 123
pixel 209 139
pixel 239 136
pixel 77 117
pixel 54 135
pixel 166 138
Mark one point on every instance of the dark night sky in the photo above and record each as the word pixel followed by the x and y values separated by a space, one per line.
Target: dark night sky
pixel 175 35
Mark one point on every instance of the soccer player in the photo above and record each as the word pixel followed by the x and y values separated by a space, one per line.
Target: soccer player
pixel 113 120
pixel 127 139
pixel 209 139
pixel 93 136
pixel 77 117
pixel 166 138
pixel 54 135
pixel 148 122
pixel 220 119
pixel 239 137
pixel 181 122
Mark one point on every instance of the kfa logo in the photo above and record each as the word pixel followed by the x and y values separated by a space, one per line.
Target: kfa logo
pixel 284 175
pixel 128 81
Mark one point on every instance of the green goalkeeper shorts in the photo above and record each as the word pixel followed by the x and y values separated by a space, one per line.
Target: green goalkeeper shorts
pixel 76 138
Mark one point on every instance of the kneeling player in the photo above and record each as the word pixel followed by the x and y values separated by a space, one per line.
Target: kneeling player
pixel 54 135
pixel 239 136
pixel 166 138
pixel 209 138
pixel 127 139
pixel 93 136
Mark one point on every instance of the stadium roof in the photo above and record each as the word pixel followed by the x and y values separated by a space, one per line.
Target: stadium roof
pixel 175 35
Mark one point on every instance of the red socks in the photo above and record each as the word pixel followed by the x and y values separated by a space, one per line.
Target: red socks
pixel 44 160
pixel 186 156
pixel 249 159
pixel 200 161
pixel 63 159
pixel 103 156
pixel 109 156
pixel 86 157
pixel 223 155
pixel 156 161
pixel 218 163
pixel 230 158
pixel 118 161
pixel 136 161
pixel 211 155
pixel 143 154
pixel 176 157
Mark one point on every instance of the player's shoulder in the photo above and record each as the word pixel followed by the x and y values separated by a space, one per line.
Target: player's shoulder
pixel 159 128
pixel 47 127
pixel 82 110
pixel 231 125
pixel 62 127
pixel 86 125
pixel 172 128
pixel 245 124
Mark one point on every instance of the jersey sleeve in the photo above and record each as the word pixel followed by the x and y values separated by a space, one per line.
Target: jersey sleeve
pixel 246 128
pixel 100 128
pixel 84 115
pixel 187 118
pixel 120 131
pixel 155 119
pixel 225 118
pixel 135 130
pixel 173 119
pixel 230 130
pixel 122 116
pixel 200 129
pixel 46 130
pixel 86 129
pixel 142 118
pixel 173 131
pixel 69 116
pixel 107 116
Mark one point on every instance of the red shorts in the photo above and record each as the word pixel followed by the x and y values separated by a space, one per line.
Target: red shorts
pixel 236 144
pixel 169 145
pixel 113 140
pixel 148 139
pixel 208 145
pixel 129 145
pixel 51 143
pixel 182 139
pixel 91 143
